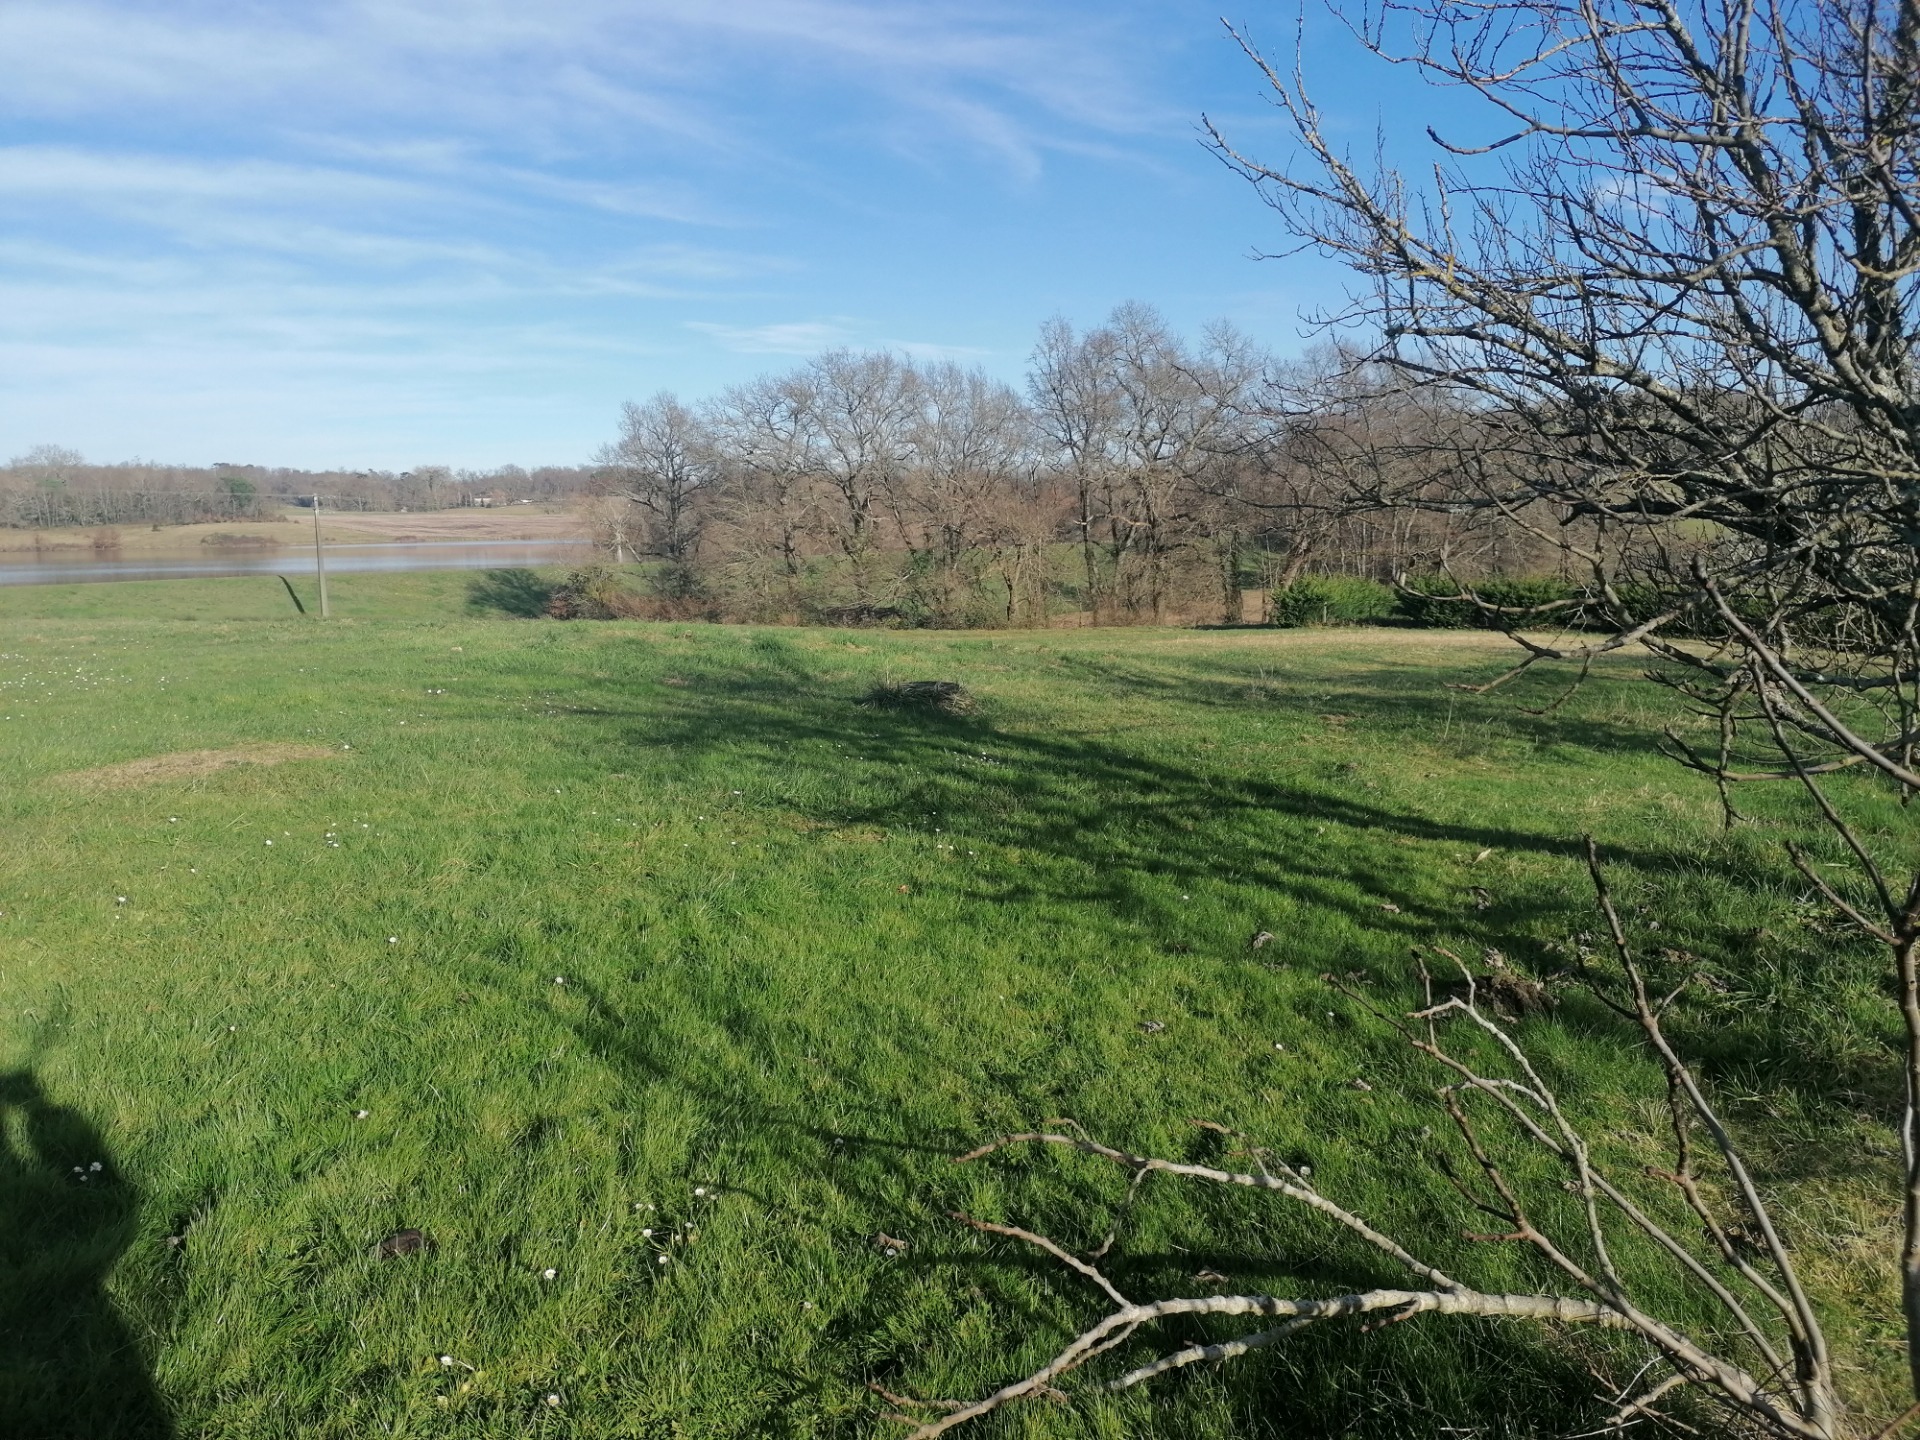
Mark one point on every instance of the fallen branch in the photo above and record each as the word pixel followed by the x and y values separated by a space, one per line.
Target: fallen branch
pixel 1771 1370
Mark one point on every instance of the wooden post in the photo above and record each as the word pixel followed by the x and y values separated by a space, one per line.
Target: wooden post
pixel 320 560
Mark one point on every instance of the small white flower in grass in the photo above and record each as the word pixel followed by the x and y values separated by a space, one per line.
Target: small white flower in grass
pixel 393 939
pixel 96 1167
pixel 119 899
pixel 446 1361
pixel 559 979
pixel 269 842
pixel 549 1274
pixel 660 1259
pixel 647 1234
pixel 553 1400
pixel 361 1114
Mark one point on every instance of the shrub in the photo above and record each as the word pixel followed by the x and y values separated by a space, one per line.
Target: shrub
pixel 1331 600
pixel 1438 603
pixel 1428 603
pixel 594 593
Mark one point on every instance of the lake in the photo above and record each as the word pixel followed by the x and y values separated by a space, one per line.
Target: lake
pixel 64 567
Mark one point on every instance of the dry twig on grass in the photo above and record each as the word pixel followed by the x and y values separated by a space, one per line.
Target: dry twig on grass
pixel 1766 1367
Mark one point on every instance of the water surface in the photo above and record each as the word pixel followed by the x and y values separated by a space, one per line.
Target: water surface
pixel 64 567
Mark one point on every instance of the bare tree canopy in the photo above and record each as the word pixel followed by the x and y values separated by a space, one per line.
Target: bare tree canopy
pixel 1680 276
pixel 1175 475
pixel 659 466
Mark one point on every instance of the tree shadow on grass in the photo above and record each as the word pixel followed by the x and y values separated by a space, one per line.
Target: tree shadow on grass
pixel 1541 711
pixel 1128 826
pixel 1108 807
pixel 69 1367
pixel 519 593
pixel 1311 842
pixel 1124 824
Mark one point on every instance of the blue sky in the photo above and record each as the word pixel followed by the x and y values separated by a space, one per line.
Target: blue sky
pixel 396 232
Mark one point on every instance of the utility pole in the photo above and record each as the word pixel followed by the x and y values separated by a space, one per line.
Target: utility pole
pixel 320 559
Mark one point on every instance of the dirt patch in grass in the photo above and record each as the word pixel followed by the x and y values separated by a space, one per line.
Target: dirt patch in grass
pixel 192 764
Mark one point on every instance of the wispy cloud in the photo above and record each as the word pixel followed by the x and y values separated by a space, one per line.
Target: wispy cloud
pixel 397 193
pixel 805 337
pixel 1001 77
pixel 810 337
pixel 935 350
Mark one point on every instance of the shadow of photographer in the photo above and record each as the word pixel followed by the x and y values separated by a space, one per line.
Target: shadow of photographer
pixel 69 1366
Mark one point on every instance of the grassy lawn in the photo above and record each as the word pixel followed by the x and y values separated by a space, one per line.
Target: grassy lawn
pixel 652 977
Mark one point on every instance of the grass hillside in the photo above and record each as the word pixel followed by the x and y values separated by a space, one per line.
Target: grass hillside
pixel 651 977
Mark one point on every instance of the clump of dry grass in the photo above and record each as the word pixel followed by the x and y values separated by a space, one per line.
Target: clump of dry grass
pixel 192 764
pixel 947 697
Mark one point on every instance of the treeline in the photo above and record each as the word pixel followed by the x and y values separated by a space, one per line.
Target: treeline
pixel 1138 476
pixel 50 486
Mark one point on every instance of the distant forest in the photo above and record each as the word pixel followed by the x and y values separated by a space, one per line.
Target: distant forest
pixel 50 486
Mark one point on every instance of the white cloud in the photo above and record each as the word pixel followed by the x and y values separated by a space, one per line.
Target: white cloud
pixel 935 350
pixel 806 337
pixel 363 205
pixel 1000 78
pixel 810 337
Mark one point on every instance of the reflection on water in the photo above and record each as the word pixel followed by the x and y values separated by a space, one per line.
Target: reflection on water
pixel 42 568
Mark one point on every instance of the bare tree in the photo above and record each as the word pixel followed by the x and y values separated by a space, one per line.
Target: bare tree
pixel 660 467
pixel 769 498
pixel 962 497
pixel 1681 281
pixel 1076 407
pixel 1132 418
pixel 860 422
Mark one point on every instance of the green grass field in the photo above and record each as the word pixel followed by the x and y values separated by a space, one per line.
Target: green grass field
pixel 652 977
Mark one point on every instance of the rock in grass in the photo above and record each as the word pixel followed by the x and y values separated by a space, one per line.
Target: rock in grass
pixel 402 1242
pixel 948 697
